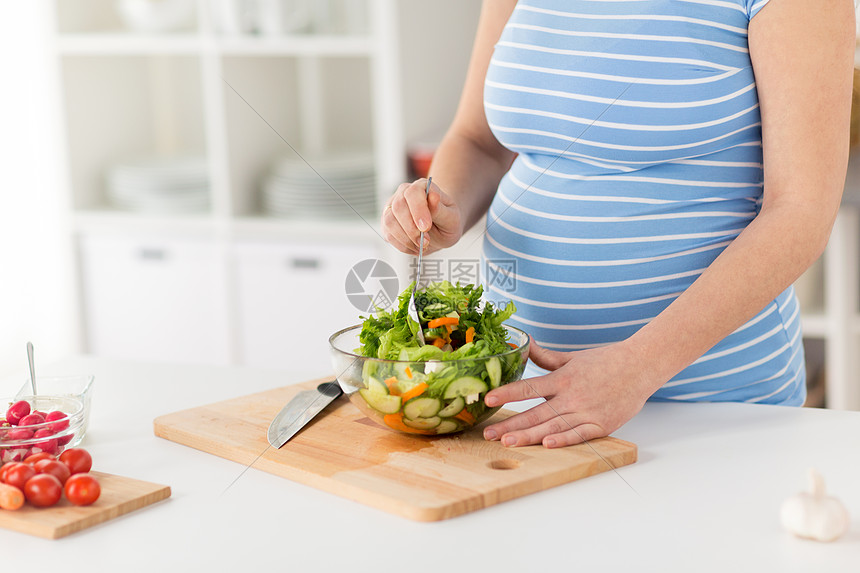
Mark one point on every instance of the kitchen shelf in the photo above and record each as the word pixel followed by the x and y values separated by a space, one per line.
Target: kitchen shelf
pixel 326 231
pixel 115 221
pixel 319 46
pixel 113 44
pixel 242 102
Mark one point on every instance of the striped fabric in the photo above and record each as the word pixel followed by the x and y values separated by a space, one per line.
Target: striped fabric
pixel 638 132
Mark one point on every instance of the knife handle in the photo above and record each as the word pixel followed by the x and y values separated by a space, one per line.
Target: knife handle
pixel 331 389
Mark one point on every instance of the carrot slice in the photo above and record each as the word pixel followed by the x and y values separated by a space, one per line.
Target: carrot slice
pixel 512 345
pixel 395 422
pixel 442 321
pixel 393 388
pixel 416 390
pixel 466 416
pixel 11 497
pixel 408 372
pixel 438 342
pixel 470 334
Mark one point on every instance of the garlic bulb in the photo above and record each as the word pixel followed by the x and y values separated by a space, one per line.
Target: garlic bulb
pixel 814 515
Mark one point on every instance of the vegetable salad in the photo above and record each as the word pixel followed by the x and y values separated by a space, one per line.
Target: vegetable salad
pixel 437 388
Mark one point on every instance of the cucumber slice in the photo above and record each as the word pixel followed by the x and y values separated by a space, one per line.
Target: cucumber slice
pixel 494 371
pixel 384 403
pixel 421 407
pixel 453 408
pixel 375 386
pixel 434 309
pixel 447 426
pixel 423 423
pixel 465 386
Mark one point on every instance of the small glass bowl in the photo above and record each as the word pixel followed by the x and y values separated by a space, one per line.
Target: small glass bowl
pixel 19 442
pixel 80 387
pixel 401 394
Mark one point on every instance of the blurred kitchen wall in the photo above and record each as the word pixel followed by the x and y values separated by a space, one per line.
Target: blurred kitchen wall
pixel 36 297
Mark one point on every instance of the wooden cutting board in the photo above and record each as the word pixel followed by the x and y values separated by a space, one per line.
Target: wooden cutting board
pixel 419 477
pixel 120 495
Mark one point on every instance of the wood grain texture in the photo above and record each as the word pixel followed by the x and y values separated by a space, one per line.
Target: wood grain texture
pixel 119 495
pixel 419 477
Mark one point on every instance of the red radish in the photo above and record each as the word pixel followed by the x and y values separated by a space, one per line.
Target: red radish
pixel 63 440
pixel 14 455
pixel 17 411
pixel 31 419
pixel 19 434
pixel 49 446
pixel 57 416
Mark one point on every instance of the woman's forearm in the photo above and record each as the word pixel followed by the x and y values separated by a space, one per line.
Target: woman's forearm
pixel 470 173
pixel 767 257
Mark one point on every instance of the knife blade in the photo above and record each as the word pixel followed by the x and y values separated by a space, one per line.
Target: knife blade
pixel 299 411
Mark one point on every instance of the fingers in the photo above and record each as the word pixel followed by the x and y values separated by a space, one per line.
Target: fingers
pixel 410 212
pixel 394 233
pixel 419 211
pixel 525 389
pixel 403 216
pixel 546 359
pixel 444 212
pixel 576 435
pixel 530 418
pixel 542 425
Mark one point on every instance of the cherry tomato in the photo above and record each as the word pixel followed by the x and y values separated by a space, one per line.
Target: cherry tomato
pixel 57 469
pixel 36 457
pixel 18 474
pixel 43 490
pixel 78 459
pixel 3 469
pixel 83 489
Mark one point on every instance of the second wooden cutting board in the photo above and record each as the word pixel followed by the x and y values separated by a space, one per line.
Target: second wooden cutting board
pixel 421 478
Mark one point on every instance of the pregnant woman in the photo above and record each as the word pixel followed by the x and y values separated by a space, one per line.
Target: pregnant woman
pixel 660 172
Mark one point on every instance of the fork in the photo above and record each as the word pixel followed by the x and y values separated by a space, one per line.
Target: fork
pixel 412 308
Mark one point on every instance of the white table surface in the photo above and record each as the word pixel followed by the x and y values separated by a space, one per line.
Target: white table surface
pixel 704 496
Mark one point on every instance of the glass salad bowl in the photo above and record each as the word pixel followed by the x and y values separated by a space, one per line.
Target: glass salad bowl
pixel 428 397
pixel 34 424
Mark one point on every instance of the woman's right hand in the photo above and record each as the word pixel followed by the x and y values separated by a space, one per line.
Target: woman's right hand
pixel 409 212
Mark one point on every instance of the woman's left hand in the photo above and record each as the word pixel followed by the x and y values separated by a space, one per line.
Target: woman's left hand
pixel 589 394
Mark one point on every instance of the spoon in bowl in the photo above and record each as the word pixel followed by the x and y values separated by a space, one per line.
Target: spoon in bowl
pixel 32 367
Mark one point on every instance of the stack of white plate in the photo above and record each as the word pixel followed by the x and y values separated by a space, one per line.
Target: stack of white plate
pixel 164 185
pixel 338 185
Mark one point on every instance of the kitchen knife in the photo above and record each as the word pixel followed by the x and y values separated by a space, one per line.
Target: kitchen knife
pixel 300 410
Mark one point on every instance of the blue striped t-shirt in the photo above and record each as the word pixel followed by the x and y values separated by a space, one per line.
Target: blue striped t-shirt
pixel 638 134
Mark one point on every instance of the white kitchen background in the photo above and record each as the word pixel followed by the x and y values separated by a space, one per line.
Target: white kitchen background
pixel 95 265
pixel 221 277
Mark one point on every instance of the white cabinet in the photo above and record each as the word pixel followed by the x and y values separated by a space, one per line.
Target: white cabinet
pixel 154 299
pixel 233 284
pixel 290 299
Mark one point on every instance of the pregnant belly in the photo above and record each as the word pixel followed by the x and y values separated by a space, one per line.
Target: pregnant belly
pixel 587 267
